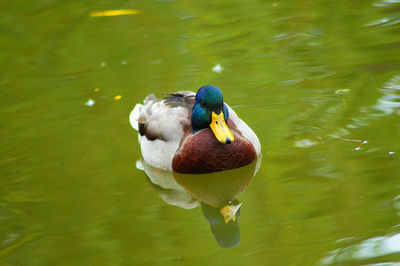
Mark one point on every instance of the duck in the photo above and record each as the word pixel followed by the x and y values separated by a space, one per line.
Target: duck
pixel 193 133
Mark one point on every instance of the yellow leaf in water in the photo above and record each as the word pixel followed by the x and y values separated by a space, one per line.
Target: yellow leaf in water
pixel 117 12
pixel 117 97
pixel 96 90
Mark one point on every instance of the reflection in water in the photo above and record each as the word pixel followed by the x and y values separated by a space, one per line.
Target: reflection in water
pixel 224 223
pixel 170 191
pixel 390 101
pixel 370 248
pixel 374 247
pixel 387 104
pixel 216 193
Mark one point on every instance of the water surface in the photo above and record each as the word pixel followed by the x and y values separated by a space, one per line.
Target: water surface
pixel 318 81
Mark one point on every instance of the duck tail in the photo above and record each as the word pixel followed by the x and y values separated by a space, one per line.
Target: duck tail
pixel 134 117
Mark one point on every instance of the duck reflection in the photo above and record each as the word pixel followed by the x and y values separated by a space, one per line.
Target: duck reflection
pixel 224 222
pixel 168 189
pixel 216 193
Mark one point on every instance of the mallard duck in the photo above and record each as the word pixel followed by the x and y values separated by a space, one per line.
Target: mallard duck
pixel 193 133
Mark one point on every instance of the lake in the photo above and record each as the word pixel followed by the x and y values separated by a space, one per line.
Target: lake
pixel 317 81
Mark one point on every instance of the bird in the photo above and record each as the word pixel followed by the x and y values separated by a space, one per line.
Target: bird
pixel 193 133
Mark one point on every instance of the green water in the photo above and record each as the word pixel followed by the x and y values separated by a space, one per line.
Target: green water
pixel 313 79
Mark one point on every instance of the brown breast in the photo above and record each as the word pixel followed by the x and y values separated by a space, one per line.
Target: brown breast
pixel 203 153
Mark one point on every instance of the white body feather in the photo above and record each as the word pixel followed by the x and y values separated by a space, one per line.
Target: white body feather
pixel 245 130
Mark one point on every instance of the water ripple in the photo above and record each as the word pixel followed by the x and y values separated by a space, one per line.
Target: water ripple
pixel 369 248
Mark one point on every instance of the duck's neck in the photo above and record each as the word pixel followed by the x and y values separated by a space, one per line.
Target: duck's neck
pixel 194 131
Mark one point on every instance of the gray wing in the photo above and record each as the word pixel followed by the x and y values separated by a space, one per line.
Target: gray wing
pixel 166 118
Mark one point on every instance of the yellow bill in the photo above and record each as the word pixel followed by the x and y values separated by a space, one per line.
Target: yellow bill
pixel 220 129
pixel 229 212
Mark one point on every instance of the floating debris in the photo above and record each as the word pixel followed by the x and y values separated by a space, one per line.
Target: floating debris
pixel 103 64
pixel 117 12
pixel 362 142
pixel 305 143
pixel 342 91
pixel 123 63
pixel 90 102
pixel 117 97
pixel 391 152
pixel 218 68
pixel 96 89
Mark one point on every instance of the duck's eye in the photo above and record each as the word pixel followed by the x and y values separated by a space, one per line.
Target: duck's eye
pixel 202 104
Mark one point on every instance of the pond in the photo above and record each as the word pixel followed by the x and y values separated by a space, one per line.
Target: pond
pixel 317 81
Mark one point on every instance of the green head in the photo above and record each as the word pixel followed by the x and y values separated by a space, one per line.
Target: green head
pixel 209 111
